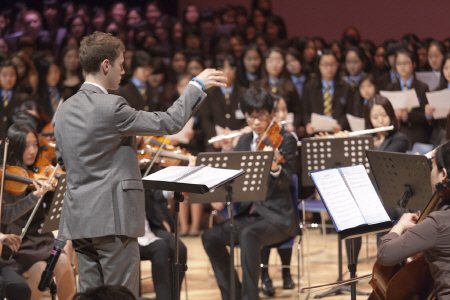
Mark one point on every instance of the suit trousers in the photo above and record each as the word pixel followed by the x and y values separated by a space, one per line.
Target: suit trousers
pixel 111 260
pixel 161 254
pixel 253 233
pixel 12 285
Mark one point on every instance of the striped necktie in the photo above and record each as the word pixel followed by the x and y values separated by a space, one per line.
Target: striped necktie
pixel 328 107
pixel 274 86
pixel 406 86
pixel 143 92
pixel 5 100
pixel 53 99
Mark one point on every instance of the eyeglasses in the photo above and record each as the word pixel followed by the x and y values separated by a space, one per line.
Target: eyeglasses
pixel 261 118
pixel 276 61
pixel 436 56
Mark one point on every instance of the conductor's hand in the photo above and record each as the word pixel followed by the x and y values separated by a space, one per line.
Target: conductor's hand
pixel 12 241
pixel 42 187
pixel 212 77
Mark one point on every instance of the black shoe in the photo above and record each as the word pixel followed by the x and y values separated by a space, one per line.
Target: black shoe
pixel 288 283
pixel 267 287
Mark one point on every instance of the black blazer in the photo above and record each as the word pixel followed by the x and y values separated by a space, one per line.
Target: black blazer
pixel 6 113
pixel 313 101
pixel 438 126
pixel 277 208
pixel 130 92
pixel 417 128
pixel 215 111
pixel 397 142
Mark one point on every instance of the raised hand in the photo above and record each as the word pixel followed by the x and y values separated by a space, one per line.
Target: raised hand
pixel 212 77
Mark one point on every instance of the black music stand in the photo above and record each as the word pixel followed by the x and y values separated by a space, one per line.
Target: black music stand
pixel 54 215
pixel 251 187
pixel 328 153
pixel 352 233
pixel 197 186
pixel 403 180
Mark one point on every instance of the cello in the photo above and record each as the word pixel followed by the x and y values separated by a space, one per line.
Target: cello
pixel 413 275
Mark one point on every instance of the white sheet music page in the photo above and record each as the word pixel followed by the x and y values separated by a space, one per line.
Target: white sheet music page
pixel 440 100
pixel 402 99
pixel 365 195
pixel 338 199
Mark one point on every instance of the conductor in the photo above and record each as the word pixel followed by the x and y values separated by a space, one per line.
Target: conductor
pixel 103 211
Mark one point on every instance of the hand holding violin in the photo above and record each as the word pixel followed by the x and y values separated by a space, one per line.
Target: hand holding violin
pixel 42 187
pixel 275 162
pixel 212 77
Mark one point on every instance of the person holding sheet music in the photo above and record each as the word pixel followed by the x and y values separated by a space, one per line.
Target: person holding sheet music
pixel 36 247
pixel 260 223
pixel 430 236
pixel 413 121
pixel 444 83
pixel 436 54
pixel 327 94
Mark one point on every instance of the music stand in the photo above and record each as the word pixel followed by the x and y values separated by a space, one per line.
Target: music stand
pixel 251 187
pixel 403 180
pixel 328 153
pixel 179 188
pixel 54 215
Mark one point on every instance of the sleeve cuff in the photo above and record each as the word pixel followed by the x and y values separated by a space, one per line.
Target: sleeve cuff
pixel 195 83
pixel 277 173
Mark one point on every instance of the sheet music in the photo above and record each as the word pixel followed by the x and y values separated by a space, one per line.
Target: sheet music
pixel 430 78
pixel 338 199
pixel 322 123
pixel 181 136
pixel 208 176
pixel 356 123
pixel 402 99
pixel 440 100
pixel 365 195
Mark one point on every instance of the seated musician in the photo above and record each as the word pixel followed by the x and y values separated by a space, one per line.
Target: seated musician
pixel 36 247
pixel 430 236
pixel 260 223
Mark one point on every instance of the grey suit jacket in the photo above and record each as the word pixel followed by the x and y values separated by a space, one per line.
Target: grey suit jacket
pixel 96 143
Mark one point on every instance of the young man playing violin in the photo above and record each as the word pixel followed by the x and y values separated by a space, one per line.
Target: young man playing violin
pixel 260 223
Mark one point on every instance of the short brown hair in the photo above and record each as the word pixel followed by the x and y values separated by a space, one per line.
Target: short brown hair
pixel 96 48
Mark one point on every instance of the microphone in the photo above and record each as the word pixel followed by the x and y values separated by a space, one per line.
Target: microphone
pixel 47 274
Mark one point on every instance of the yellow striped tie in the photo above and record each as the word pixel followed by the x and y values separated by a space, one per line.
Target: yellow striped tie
pixel 406 87
pixel 143 92
pixel 328 107
pixel 274 86
pixel 5 100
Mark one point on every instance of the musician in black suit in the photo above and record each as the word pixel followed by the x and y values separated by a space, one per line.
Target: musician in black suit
pixel 327 84
pixel 221 106
pixel 137 91
pixel 260 223
pixel 413 122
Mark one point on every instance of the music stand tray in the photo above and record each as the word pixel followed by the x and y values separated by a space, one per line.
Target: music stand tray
pixel 250 187
pixel 400 175
pixel 52 221
pixel 328 153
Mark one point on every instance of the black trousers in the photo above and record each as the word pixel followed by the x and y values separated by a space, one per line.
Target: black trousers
pixel 254 232
pixel 162 254
pixel 12 285
pixel 285 256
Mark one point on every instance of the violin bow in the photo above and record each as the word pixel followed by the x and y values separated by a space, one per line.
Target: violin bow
pixel 3 177
pixel 24 230
pixel 264 135
pixel 155 157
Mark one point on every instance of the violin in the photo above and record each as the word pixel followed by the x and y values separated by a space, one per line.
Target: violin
pixel 411 279
pixel 16 180
pixel 43 169
pixel 273 138
pixel 170 156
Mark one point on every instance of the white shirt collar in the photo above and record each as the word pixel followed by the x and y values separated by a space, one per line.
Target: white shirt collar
pixel 99 86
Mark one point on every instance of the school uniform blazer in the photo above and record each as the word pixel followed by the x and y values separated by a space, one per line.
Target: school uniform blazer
pixel 215 111
pixel 131 93
pixel 96 144
pixel 6 113
pixel 417 128
pixel 277 207
pixel 313 101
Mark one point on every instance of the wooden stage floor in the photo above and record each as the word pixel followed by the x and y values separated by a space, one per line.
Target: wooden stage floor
pixel 323 265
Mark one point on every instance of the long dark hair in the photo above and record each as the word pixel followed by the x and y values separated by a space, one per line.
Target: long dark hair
pixel 17 135
pixel 285 85
pixel 443 83
pixel 442 157
pixel 241 77
pixel 386 104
